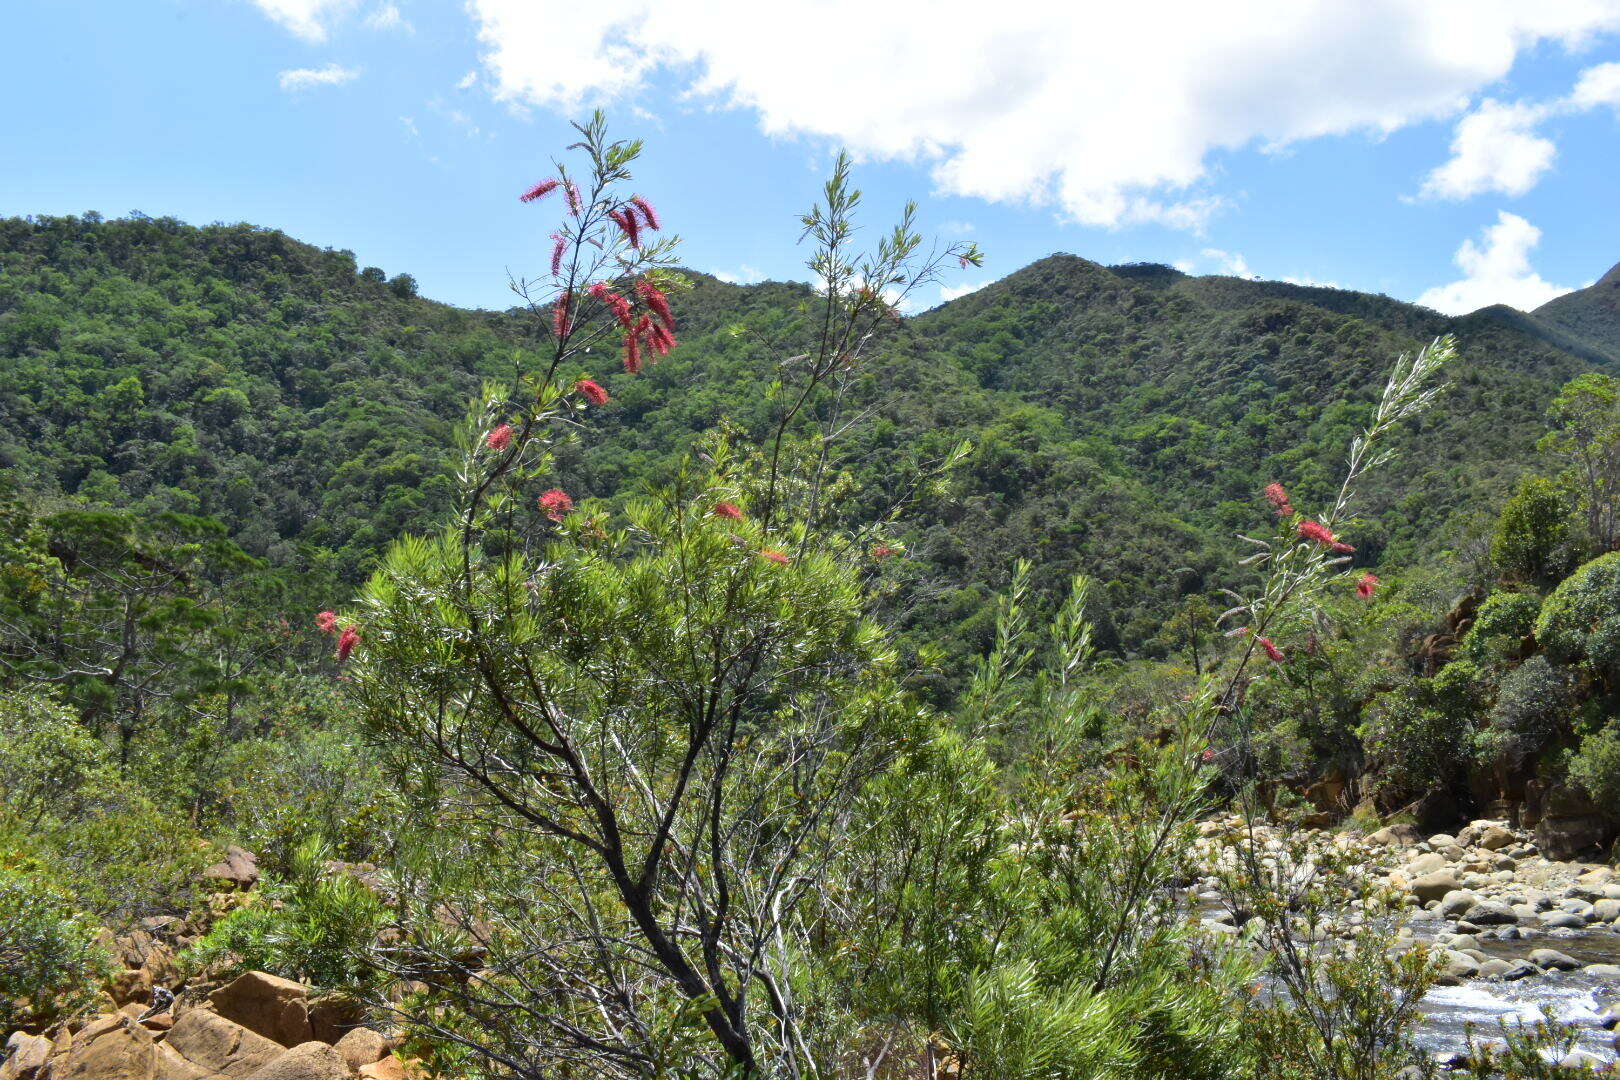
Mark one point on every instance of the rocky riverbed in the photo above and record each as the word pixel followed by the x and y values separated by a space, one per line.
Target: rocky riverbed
pixel 1521 937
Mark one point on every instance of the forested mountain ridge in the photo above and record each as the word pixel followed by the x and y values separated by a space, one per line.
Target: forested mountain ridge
pixel 1123 418
pixel 1590 315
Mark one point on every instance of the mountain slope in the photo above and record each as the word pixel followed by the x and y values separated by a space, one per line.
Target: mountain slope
pixel 1123 418
pixel 1590 315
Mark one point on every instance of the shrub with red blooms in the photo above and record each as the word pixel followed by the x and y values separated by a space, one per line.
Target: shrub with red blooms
pixel 593 391
pixel 1317 533
pixel 1366 586
pixel 499 438
pixel 728 510
pixel 540 190
pixel 326 622
pixel 557 504
pixel 1277 496
pixel 778 557
pixel 346 643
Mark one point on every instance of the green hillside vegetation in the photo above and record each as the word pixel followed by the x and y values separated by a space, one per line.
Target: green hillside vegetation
pixel 1590 315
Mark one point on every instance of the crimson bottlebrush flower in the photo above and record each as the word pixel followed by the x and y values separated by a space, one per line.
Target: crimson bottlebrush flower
pixel 883 551
pixel 660 339
pixel 562 317
pixel 540 190
pixel 593 391
pixel 778 557
pixel 1276 495
pixel 1316 532
pixel 620 306
pixel 557 504
pixel 346 643
pixel 575 207
pixel 326 622
pixel 499 438
pixel 1343 549
pixel 1366 586
pixel 632 353
pixel 649 217
pixel 656 302
pixel 1208 754
pixel 728 510
pixel 559 246
pixel 1272 651
pixel 627 223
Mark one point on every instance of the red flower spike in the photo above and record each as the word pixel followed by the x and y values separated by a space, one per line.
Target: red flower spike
pixel 1316 532
pixel 728 510
pixel 627 223
pixel 632 354
pixel 1344 549
pixel 499 438
pixel 540 190
pixel 559 247
pixel 557 504
pixel 593 391
pixel 1272 651
pixel 656 302
pixel 346 643
pixel 326 622
pixel 661 339
pixel 1276 495
pixel 883 551
pixel 562 316
pixel 1366 586
pixel 778 557
pixel 649 216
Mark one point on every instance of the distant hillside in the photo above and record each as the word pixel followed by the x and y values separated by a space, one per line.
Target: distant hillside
pixel 1590 315
pixel 1122 418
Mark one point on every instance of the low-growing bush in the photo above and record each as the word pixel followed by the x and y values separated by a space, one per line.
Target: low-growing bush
pixel 50 960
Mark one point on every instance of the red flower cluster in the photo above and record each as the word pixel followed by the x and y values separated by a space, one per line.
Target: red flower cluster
pixel 780 558
pixel 562 314
pixel 625 219
pixel 326 622
pixel 1272 651
pixel 1366 586
pixel 883 551
pixel 556 504
pixel 649 217
pixel 728 510
pixel 346 643
pixel 559 247
pixel 1277 496
pixel 540 190
pixel 593 391
pixel 1317 533
pixel 499 438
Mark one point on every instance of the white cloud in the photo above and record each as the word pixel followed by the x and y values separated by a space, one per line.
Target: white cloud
pixel 387 17
pixel 1495 148
pixel 410 127
pixel 1496 272
pixel 1231 263
pixel 1110 114
pixel 296 79
pixel 947 293
pixel 307 19
pixel 467 80
pixel 956 228
pixel 1313 283
pixel 743 275
pixel 1597 86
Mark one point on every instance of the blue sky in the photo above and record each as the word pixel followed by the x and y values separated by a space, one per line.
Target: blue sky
pixel 1455 153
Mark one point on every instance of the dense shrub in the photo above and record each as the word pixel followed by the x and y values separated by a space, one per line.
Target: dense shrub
pixel 1532 541
pixel 1505 621
pixel 1534 699
pixel 1580 621
pixel 50 961
pixel 1596 767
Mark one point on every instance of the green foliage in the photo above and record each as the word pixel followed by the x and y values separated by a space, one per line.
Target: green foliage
pixel 1532 541
pixel 318 926
pixel 1534 700
pixel 51 963
pixel 1580 620
pixel 1596 766
pixel 1504 623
